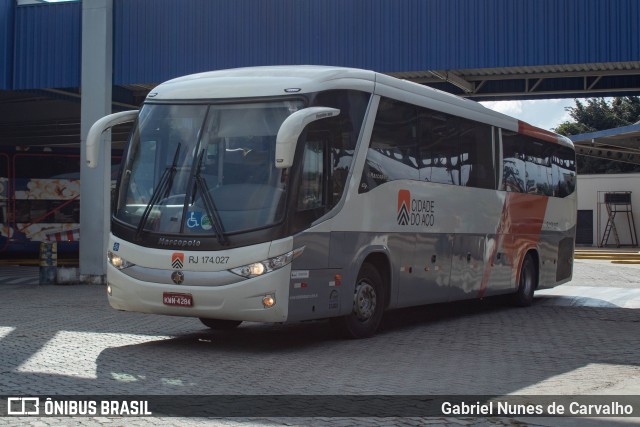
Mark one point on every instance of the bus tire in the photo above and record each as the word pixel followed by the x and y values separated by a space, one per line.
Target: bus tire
pixel 527 284
pixel 368 305
pixel 221 325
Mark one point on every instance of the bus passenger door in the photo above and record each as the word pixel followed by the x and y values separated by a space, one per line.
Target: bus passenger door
pixel 467 266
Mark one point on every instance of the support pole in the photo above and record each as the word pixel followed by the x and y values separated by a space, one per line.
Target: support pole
pixel 96 82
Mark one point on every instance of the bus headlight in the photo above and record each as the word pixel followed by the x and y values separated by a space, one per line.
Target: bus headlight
pixel 117 261
pixel 259 268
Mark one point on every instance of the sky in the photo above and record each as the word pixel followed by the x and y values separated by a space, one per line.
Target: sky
pixel 546 114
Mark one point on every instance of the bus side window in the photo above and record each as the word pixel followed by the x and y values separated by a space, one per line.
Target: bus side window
pixel 393 152
pixel 438 150
pixel 311 193
pixel 342 135
pixel 476 155
pixel 455 150
pixel 538 169
pixel 514 171
pixel 564 165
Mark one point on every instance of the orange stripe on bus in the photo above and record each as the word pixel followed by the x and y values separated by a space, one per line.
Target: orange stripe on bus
pixel 518 231
pixel 526 129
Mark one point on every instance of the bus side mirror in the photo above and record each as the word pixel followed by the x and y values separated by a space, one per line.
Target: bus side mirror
pixel 291 129
pixel 93 137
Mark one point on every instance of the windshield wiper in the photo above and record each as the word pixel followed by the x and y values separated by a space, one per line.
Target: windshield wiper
pixel 161 191
pixel 209 204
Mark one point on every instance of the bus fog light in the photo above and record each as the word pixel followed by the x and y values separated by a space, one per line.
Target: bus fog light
pixel 268 301
pixel 109 290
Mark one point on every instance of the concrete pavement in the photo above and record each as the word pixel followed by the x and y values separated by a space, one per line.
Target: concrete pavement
pixel 578 339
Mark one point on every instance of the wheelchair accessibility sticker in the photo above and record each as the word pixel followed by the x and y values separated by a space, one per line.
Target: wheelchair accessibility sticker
pixel 199 220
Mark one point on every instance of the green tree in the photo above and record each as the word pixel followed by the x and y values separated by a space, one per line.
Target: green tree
pixel 599 114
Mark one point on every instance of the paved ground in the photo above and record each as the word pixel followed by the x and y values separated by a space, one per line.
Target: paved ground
pixel 578 339
pixel 17 275
pixel 599 284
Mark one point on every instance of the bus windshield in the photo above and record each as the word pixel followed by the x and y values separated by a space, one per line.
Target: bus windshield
pixel 204 169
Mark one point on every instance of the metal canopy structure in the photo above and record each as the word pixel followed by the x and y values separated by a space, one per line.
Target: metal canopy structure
pixel 534 82
pixel 483 49
pixel 620 144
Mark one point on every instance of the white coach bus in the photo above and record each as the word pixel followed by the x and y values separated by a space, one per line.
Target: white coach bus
pixel 282 194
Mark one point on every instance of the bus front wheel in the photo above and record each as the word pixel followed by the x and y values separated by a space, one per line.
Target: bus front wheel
pixel 527 284
pixel 368 305
pixel 220 324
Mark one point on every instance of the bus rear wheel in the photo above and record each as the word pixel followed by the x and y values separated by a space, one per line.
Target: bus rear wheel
pixel 368 305
pixel 222 325
pixel 528 280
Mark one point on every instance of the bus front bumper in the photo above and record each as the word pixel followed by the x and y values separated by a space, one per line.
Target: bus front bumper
pixel 238 301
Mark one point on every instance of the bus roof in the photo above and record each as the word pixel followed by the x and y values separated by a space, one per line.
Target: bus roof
pixel 263 81
pixel 281 80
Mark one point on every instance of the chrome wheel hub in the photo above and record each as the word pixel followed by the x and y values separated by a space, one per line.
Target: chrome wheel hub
pixel 364 303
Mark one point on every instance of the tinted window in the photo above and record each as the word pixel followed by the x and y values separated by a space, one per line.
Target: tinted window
pixel 311 189
pixel 202 160
pixel 564 171
pixel 393 151
pixel 439 148
pixel 536 166
pixel 454 150
pixel 476 155
pixel 410 142
pixel 341 134
pixel 514 172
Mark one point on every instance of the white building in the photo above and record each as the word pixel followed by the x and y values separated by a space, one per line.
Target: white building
pixel 618 144
pixel 593 214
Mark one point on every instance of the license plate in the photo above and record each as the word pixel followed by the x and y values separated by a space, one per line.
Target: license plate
pixel 180 300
